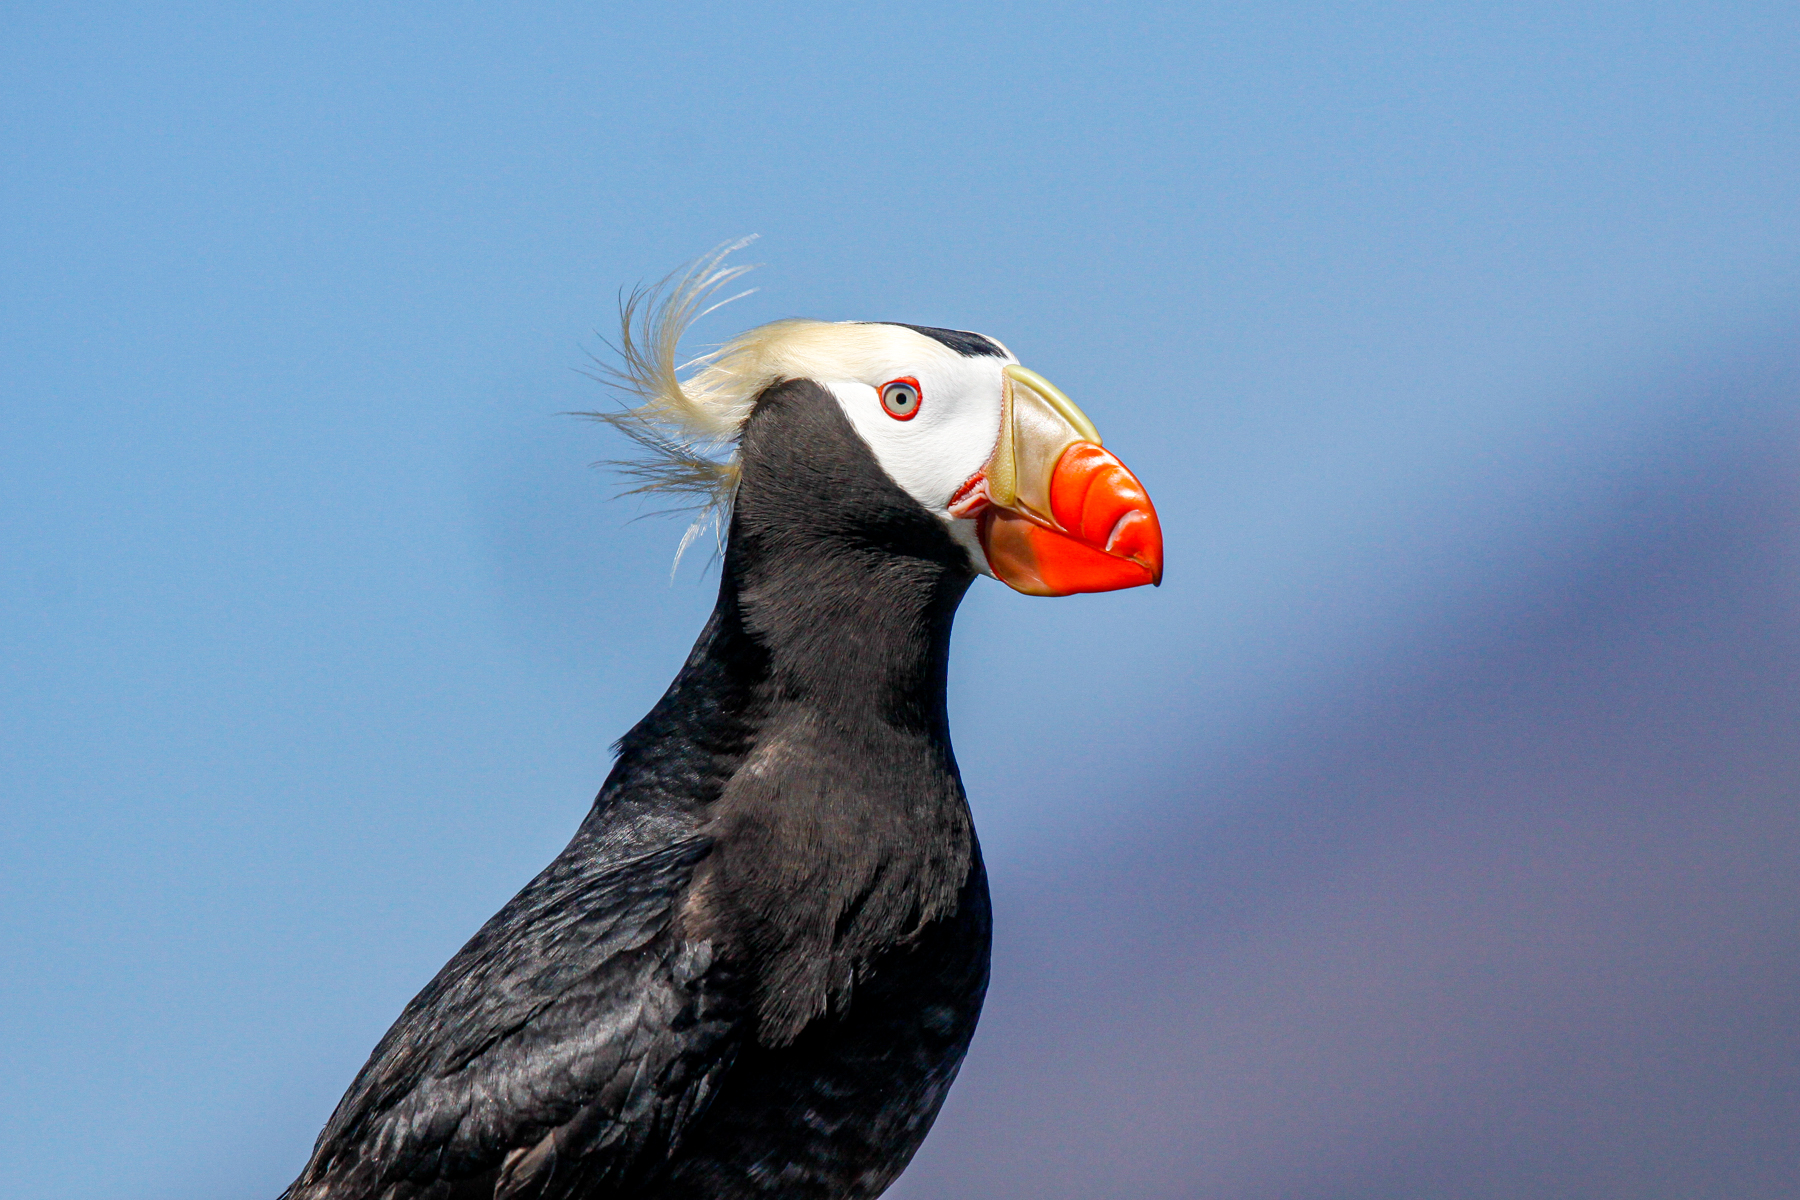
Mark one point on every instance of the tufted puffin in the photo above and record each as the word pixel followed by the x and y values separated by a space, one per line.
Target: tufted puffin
pixel 757 966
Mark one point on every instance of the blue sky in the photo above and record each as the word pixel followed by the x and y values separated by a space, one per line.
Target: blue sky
pixel 316 624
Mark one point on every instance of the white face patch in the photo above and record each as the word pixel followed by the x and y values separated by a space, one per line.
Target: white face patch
pixel 951 436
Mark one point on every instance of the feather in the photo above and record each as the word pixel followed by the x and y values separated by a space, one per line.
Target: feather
pixel 679 431
pixel 684 417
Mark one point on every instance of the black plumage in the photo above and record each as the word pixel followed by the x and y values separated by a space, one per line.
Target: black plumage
pixel 757 966
pixel 969 345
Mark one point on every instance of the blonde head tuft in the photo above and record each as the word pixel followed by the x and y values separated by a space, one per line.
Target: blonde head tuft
pixel 681 427
pixel 687 415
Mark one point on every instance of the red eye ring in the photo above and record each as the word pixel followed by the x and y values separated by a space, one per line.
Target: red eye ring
pixel 902 398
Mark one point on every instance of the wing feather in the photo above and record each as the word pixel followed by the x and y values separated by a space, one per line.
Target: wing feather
pixel 567 1043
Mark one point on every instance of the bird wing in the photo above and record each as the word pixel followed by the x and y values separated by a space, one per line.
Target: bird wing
pixel 566 1045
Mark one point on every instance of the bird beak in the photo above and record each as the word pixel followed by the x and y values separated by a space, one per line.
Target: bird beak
pixel 1056 512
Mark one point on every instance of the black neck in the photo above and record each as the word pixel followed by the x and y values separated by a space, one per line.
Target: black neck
pixel 837 595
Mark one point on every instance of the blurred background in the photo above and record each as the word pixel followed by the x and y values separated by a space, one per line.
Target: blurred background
pixel 1431 833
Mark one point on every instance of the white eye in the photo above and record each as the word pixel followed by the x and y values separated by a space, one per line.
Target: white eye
pixel 900 398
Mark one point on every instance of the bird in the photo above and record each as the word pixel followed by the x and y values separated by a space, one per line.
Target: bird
pixel 757 966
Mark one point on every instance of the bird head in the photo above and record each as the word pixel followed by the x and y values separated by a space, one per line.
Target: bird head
pixel 1013 468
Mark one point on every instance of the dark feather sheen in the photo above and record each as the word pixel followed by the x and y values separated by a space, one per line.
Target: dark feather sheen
pixel 756 968
pixel 969 345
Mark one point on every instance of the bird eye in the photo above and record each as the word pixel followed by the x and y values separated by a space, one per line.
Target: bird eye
pixel 900 397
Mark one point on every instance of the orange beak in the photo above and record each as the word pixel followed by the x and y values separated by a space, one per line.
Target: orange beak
pixel 1062 514
pixel 1105 535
